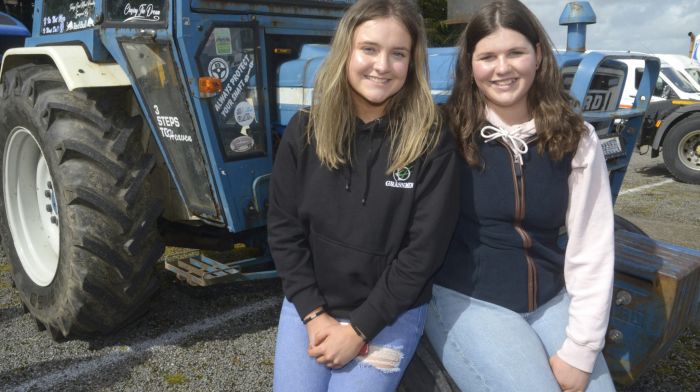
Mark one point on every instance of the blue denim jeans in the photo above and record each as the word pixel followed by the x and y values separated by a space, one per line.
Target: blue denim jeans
pixel 381 370
pixel 486 347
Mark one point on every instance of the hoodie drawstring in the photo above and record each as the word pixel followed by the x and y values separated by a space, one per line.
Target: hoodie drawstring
pixel 347 173
pixel 517 145
pixel 372 155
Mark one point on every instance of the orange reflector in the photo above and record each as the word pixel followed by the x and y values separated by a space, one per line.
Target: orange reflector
pixel 282 51
pixel 209 86
pixel 658 123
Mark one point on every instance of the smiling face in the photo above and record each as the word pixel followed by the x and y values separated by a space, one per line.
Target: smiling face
pixel 378 65
pixel 504 65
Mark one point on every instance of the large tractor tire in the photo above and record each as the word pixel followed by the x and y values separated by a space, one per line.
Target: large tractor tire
pixel 78 215
pixel 681 150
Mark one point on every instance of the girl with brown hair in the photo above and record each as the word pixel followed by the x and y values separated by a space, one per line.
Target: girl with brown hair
pixel 511 309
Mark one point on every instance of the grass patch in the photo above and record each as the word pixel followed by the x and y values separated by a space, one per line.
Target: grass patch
pixel 176 379
pixel 5 267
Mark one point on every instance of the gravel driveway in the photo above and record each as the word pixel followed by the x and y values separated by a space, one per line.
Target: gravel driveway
pixel 222 338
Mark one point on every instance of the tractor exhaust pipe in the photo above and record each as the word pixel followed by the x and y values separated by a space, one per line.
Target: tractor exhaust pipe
pixel 576 16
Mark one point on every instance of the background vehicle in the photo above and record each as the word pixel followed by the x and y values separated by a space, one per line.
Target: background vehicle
pixel 672 125
pixel 683 65
pixel 671 84
pixel 127 128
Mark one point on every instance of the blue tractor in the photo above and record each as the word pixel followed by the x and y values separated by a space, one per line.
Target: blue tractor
pixel 129 126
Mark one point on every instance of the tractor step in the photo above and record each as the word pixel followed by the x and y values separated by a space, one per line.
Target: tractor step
pixel 201 270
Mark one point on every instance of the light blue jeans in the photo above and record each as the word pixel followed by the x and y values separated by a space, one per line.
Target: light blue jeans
pixel 390 352
pixel 486 347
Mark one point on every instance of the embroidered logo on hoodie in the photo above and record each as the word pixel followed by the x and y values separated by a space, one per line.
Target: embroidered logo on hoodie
pixel 400 178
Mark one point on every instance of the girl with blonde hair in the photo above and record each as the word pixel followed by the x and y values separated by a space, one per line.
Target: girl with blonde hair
pixel 363 200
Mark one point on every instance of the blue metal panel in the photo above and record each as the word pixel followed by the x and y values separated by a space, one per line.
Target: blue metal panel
pixel 441 67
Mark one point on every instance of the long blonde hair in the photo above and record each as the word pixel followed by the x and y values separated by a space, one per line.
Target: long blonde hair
pixel 411 112
pixel 559 126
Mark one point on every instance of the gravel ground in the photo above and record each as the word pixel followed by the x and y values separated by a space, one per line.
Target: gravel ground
pixel 222 338
pixel 216 339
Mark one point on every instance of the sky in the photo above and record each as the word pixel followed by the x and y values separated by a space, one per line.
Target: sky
pixel 650 26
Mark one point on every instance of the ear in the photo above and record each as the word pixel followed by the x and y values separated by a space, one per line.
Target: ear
pixel 538 55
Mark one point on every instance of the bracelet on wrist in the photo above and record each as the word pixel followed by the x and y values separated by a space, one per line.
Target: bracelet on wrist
pixel 313 316
pixel 358 332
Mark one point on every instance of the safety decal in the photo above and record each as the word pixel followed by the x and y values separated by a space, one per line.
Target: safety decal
pixel 218 68
pixel 236 86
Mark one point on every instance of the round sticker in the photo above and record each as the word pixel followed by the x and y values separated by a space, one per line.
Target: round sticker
pixel 218 68
pixel 242 144
pixel 244 114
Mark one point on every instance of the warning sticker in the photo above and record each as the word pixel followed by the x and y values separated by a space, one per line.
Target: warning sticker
pixel 222 42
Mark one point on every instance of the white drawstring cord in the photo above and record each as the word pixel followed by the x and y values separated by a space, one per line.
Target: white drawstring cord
pixel 517 145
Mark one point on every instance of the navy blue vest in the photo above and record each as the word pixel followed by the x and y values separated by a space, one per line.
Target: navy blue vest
pixel 504 249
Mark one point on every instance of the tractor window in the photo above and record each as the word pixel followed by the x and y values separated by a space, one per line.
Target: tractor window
pixel 230 55
pixel 64 16
pixel 148 13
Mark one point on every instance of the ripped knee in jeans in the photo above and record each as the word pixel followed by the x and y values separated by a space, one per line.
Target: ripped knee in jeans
pixel 384 358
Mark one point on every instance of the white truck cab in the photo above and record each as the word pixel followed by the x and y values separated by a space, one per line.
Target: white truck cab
pixel 684 65
pixel 671 84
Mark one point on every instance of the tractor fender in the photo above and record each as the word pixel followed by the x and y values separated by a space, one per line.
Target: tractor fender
pixel 72 62
pixel 670 120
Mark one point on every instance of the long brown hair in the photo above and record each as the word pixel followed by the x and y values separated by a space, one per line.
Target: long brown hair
pixel 559 126
pixel 411 111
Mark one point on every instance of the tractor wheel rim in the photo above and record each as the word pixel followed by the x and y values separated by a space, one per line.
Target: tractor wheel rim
pixel 689 150
pixel 30 203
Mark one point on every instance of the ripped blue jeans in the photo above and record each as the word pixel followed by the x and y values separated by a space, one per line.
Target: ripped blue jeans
pixel 381 370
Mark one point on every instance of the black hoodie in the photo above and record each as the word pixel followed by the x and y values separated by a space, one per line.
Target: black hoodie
pixel 359 242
